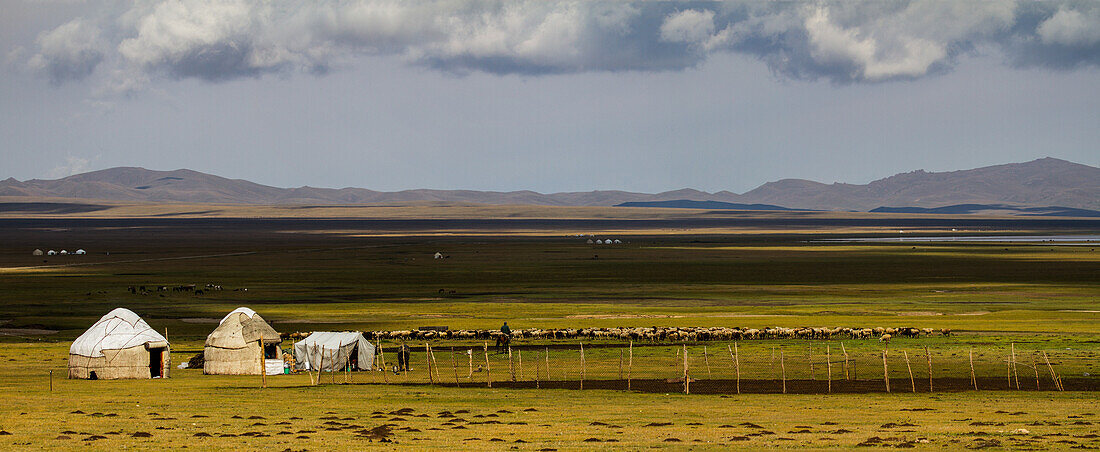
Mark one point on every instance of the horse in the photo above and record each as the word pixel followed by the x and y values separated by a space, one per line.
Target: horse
pixel 503 341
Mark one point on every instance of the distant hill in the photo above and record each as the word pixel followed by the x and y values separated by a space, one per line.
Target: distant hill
pixel 1035 184
pixel 711 205
pixel 995 209
pixel 1043 182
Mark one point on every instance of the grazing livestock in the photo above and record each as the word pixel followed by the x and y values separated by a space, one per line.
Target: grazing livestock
pixel 652 334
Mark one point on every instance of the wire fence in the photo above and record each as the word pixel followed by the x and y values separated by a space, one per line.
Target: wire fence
pixel 740 367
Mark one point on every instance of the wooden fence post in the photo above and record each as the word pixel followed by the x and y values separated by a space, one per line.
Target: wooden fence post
pixel 332 359
pixel 382 355
pixel 428 358
pixel 783 366
pixel 687 381
pixel 845 351
pixel 630 366
pixel 519 365
pixel 1035 366
pixel 829 367
pixel 470 361
pixel 263 362
pixel 1015 371
pixel 706 360
pixel 548 364
pixel 1053 376
pixel 51 376
pixel 973 378
pixel 511 365
pixel 885 371
pixel 929 356
pixel 737 366
pixel 320 366
pixel 582 365
pixel 907 366
pixel 488 376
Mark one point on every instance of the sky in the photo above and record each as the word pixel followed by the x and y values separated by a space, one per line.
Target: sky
pixel 548 96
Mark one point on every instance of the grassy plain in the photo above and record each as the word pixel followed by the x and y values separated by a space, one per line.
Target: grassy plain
pixel 674 269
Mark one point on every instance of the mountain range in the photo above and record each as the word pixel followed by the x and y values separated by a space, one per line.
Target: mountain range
pixel 1039 183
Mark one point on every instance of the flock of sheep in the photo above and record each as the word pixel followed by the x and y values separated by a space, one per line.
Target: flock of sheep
pixel 657 334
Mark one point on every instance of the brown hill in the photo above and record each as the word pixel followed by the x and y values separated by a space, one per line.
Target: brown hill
pixel 1044 182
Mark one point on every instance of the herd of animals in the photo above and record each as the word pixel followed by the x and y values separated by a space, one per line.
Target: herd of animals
pixel 655 334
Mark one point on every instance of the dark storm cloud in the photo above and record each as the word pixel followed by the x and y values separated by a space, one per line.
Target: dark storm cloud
pixel 843 42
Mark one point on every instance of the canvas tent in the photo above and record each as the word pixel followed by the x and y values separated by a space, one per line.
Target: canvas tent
pixel 233 348
pixel 119 345
pixel 80 252
pixel 331 351
pixel 37 252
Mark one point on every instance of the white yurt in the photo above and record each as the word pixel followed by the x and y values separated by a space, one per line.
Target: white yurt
pixel 617 241
pixel 36 252
pixel 326 350
pixel 80 252
pixel 119 345
pixel 599 242
pixel 438 255
pixel 51 252
pixel 64 252
pixel 233 348
pixel 589 241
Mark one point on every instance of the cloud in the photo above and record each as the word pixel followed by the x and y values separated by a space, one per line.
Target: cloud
pixel 842 42
pixel 72 165
pixel 688 26
pixel 69 52
pixel 1069 27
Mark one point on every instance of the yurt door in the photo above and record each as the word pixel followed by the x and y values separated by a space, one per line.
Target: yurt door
pixel 156 362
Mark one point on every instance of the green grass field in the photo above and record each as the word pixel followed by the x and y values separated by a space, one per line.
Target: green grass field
pixel 1037 296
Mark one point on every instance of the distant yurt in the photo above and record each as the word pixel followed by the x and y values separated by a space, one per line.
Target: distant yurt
pixel 617 241
pixel 64 252
pixel 599 242
pixel 326 350
pixel 439 255
pixel 119 345
pixel 234 346
pixel 590 241
pixel 51 252
pixel 80 252
pixel 36 252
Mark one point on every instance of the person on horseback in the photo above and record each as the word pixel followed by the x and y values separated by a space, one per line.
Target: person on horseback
pixel 505 338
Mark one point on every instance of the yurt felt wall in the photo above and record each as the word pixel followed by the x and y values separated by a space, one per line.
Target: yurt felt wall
pixel 119 345
pixel 233 348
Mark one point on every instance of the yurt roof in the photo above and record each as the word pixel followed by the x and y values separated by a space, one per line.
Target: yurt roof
pixel 119 329
pixel 240 327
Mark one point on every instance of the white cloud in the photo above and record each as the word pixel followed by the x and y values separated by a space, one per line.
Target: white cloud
pixel 1070 27
pixel 72 165
pixel 688 26
pixel 69 52
pixel 832 44
pixel 839 41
